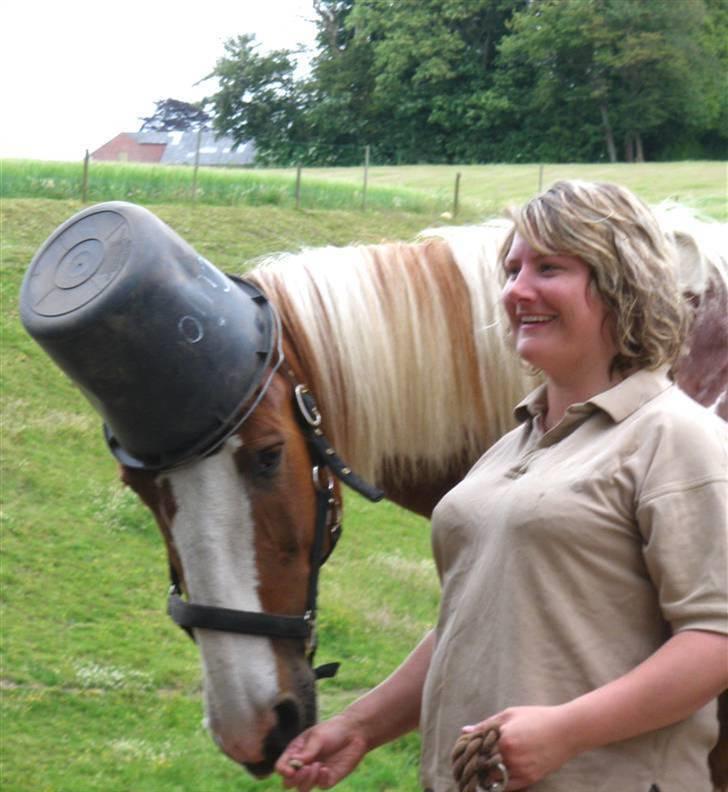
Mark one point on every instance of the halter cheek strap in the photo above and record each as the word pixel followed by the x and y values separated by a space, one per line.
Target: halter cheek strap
pixel 322 451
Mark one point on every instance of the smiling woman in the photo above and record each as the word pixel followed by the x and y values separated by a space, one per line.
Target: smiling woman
pixel 559 324
pixel 611 307
pixel 585 549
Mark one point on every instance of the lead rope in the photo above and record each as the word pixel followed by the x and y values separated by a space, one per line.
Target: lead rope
pixel 477 765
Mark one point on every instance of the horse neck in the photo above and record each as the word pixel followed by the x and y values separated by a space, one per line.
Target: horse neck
pixel 403 349
pixel 703 277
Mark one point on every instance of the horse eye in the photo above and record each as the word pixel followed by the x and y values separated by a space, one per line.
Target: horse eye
pixel 267 461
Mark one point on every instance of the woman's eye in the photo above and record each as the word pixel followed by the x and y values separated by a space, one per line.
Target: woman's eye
pixel 266 461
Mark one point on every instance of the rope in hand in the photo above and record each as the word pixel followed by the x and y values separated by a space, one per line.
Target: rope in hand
pixel 477 765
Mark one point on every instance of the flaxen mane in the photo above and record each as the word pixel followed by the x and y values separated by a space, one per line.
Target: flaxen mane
pixel 410 363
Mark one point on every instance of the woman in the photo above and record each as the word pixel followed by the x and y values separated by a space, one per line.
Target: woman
pixel 583 558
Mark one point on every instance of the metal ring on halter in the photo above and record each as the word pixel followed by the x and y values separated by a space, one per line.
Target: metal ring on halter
pixel 496 786
pixel 310 412
pixel 316 476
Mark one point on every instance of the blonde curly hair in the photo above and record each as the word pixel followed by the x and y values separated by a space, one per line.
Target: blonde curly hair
pixel 633 263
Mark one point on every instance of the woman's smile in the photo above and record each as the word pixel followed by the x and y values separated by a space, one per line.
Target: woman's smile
pixel 558 321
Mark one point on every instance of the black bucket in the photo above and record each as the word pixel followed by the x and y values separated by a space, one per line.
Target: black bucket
pixel 168 349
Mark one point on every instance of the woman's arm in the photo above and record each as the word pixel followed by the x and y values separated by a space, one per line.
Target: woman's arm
pixel 329 751
pixel 689 670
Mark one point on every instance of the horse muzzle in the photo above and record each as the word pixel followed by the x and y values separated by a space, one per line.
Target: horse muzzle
pixel 258 754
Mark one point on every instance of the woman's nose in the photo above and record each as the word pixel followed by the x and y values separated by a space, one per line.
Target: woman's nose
pixel 519 287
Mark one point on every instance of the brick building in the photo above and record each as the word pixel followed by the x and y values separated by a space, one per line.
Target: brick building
pixel 175 148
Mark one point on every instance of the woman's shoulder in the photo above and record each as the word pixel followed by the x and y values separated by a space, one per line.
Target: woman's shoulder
pixel 681 442
pixel 674 410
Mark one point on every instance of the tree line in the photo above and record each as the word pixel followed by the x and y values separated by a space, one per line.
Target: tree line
pixel 443 81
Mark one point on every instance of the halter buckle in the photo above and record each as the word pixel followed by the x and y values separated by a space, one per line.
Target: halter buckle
pixel 307 406
pixel 311 640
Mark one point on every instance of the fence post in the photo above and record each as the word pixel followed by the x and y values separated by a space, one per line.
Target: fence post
pixel 366 178
pixel 298 186
pixel 456 199
pixel 84 182
pixel 197 164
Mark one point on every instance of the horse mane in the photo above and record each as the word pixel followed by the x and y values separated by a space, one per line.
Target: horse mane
pixel 418 326
pixel 412 325
pixel 702 247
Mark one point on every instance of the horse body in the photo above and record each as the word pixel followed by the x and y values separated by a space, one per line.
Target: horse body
pixel 406 352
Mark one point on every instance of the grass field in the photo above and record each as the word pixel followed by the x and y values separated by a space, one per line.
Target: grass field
pixel 100 691
pixel 422 189
pixel 485 189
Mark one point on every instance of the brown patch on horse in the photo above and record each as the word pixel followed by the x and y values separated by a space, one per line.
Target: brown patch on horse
pixel 284 514
pixel 420 493
pixel 718 758
pixel 282 510
pixel 298 351
pixel 703 371
pixel 156 493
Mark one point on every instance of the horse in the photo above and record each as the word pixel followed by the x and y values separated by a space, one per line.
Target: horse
pixel 393 367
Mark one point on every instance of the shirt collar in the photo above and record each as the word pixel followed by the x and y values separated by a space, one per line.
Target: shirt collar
pixel 532 406
pixel 629 395
pixel 618 402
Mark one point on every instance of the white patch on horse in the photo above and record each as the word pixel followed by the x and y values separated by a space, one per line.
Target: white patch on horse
pixel 718 403
pixel 213 531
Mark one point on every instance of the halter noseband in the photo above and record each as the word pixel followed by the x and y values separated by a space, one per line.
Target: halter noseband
pixel 190 615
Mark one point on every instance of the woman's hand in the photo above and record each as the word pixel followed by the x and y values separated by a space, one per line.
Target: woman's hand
pixel 534 741
pixel 322 755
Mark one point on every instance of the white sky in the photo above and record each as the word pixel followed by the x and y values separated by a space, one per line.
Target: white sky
pixel 75 73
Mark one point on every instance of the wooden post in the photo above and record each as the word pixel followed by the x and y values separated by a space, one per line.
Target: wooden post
pixel 298 187
pixel 197 164
pixel 366 178
pixel 540 177
pixel 84 183
pixel 456 199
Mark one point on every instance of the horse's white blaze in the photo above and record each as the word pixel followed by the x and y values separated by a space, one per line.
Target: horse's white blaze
pixel 213 532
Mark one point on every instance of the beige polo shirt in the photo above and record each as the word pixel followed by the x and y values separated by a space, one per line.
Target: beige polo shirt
pixel 566 559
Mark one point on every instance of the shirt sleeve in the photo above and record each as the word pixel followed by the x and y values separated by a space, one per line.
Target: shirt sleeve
pixel 682 514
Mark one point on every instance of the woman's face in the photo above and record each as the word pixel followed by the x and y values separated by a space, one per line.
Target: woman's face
pixel 558 320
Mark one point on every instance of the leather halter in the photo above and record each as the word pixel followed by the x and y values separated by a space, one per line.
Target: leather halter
pixel 190 615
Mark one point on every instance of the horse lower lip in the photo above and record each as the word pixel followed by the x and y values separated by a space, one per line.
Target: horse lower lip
pixel 259 769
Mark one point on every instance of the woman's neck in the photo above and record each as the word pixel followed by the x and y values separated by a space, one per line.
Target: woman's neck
pixel 561 393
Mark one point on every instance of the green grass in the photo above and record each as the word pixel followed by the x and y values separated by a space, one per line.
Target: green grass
pixel 485 189
pixel 100 691
pixel 155 184
pixel 423 189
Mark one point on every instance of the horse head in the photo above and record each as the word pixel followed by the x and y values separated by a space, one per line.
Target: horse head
pixel 241 535
pixel 218 436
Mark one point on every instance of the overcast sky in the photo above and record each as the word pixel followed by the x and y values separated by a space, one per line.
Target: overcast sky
pixel 75 73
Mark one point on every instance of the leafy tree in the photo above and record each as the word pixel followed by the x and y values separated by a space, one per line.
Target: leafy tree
pixel 339 117
pixel 487 80
pixel 258 98
pixel 432 59
pixel 173 114
pixel 632 69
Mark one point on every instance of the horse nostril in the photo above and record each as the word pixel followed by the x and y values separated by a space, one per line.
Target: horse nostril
pixel 289 719
pixel 289 725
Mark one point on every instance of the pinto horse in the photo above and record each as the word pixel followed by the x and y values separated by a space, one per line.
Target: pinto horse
pixel 404 349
